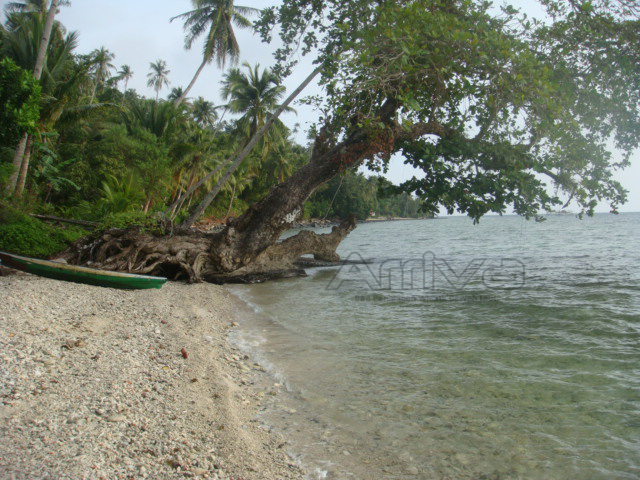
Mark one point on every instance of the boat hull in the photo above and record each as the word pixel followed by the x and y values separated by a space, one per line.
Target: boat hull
pixel 76 274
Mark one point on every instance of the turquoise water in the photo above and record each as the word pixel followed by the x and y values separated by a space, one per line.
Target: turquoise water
pixel 505 350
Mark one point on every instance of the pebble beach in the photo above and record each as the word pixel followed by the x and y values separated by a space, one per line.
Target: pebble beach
pixel 97 383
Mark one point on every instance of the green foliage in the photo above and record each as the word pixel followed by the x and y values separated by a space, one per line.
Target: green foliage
pixel 214 20
pixel 19 97
pixel 115 196
pixel 497 110
pixel 6 169
pixel 117 153
pixel 119 195
pixel 48 170
pixel 352 193
pixel 25 235
pixel 279 164
pixel 146 222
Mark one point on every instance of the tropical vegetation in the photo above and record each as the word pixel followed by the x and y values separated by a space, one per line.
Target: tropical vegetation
pixel 498 110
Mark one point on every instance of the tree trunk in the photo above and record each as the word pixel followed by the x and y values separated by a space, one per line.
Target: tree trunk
pixel 208 198
pixel 17 165
pixel 93 93
pixel 147 205
pixel 44 42
pixel 193 81
pixel 233 194
pixel 124 93
pixel 177 195
pixel 24 168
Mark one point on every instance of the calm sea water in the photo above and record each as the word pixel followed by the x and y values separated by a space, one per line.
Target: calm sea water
pixel 504 350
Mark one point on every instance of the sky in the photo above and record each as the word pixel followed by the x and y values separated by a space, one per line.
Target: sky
pixel 139 32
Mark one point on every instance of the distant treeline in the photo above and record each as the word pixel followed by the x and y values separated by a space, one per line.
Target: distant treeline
pixel 353 193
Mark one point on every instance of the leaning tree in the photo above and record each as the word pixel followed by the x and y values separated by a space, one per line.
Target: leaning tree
pixel 498 110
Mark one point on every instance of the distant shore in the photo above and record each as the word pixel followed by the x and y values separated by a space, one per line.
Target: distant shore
pixel 319 223
pixel 106 384
pixel 393 219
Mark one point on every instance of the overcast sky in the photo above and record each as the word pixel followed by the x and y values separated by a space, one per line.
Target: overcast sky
pixel 139 32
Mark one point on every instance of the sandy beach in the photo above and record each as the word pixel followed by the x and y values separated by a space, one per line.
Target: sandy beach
pixel 98 383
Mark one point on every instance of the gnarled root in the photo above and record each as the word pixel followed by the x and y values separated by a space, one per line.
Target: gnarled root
pixel 180 256
pixel 279 260
pixel 196 256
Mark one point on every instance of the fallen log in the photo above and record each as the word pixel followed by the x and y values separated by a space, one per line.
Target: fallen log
pixel 52 218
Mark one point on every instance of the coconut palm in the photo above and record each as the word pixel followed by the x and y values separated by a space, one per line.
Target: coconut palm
pixel 215 19
pixel 200 153
pixel 29 6
pixel 157 77
pixel 101 59
pixel 255 95
pixel 161 119
pixel 204 112
pixel 235 186
pixel 125 73
pixel 281 165
pixel 175 94
pixel 31 29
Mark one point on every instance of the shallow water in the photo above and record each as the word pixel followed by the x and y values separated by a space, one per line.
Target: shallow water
pixel 509 349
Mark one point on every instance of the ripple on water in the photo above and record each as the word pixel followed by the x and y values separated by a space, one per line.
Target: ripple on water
pixel 534 382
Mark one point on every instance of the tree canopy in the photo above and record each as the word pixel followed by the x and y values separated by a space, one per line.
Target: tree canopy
pixel 214 19
pixel 497 109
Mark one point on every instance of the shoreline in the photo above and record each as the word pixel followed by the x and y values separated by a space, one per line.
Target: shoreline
pixel 94 384
pixel 325 447
pixel 208 227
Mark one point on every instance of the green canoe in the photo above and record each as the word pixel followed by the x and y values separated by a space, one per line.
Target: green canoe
pixel 73 273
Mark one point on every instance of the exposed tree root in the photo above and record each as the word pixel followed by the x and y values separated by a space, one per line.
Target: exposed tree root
pixel 196 256
pixel 183 256
pixel 280 259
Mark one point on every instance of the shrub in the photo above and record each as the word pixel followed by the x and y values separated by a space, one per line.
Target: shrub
pixel 146 222
pixel 24 235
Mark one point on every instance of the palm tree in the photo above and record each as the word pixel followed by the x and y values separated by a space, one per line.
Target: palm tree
pixel 256 96
pixel 175 94
pixel 28 6
pixel 204 112
pixel 236 185
pixel 158 76
pixel 46 18
pixel 101 59
pixel 234 162
pixel 125 73
pixel 200 154
pixel 215 17
pixel 281 165
pixel 161 119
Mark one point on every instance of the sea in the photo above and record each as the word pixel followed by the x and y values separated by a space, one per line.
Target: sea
pixel 509 349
